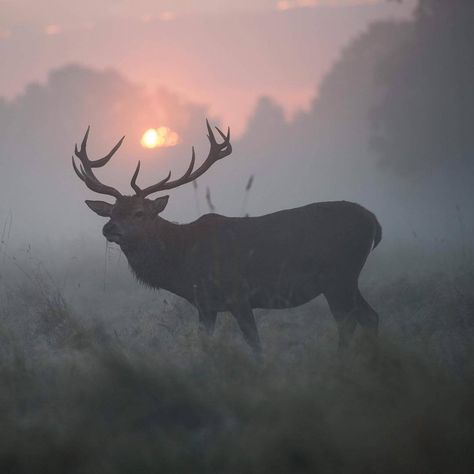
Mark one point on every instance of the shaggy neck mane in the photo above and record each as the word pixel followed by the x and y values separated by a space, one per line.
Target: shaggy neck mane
pixel 156 259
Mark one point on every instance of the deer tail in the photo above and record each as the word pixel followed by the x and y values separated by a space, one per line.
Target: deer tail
pixel 378 232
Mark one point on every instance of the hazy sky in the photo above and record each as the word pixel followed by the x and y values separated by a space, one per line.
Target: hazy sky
pixel 224 54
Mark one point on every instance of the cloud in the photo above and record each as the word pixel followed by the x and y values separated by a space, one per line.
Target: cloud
pixel 162 16
pixel 5 33
pixel 284 5
pixel 167 16
pixel 52 30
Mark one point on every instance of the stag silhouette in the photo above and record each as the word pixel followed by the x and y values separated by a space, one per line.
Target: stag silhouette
pixel 237 264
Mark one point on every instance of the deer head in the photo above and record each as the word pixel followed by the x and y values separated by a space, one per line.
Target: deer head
pixel 131 217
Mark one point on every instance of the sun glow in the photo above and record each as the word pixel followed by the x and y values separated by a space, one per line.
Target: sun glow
pixel 159 137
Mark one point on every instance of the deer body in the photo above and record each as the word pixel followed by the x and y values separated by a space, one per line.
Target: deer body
pixel 237 264
pixel 279 260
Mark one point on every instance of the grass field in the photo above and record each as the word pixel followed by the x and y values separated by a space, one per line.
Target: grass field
pixel 116 379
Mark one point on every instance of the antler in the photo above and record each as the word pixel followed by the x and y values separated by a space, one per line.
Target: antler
pixel 217 152
pixel 85 172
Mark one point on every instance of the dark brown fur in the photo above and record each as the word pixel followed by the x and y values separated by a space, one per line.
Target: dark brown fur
pixel 279 260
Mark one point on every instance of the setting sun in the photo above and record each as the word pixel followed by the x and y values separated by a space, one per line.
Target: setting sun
pixel 159 137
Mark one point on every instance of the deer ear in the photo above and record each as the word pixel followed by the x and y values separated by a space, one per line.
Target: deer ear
pixel 102 208
pixel 160 203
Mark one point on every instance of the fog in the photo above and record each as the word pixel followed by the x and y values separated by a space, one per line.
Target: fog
pixel 99 373
pixel 326 152
pixel 225 57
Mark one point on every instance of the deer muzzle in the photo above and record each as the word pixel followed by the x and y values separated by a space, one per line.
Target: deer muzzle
pixel 112 233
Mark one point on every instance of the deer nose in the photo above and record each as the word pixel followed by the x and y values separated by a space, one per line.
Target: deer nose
pixel 111 230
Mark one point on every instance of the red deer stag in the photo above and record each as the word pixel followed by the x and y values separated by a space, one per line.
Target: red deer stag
pixel 236 264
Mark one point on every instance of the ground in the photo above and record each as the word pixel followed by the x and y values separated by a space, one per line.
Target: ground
pixel 115 379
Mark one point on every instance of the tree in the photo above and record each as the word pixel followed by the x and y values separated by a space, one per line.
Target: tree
pixel 425 118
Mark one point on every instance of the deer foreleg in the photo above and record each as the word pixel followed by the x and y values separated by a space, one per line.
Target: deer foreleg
pixel 207 321
pixel 243 313
pixel 207 317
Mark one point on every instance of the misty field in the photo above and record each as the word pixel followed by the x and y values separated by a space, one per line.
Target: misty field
pixel 100 375
pixel 358 100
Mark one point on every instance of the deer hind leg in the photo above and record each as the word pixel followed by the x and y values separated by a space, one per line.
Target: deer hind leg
pixel 242 312
pixel 207 321
pixel 342 303
pixel 369 320
pixel 207 317
pixel 366 315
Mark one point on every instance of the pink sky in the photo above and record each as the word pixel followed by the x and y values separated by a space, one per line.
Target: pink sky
pixel 224 54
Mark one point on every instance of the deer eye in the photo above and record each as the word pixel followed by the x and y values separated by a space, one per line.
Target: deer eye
pixel 139 214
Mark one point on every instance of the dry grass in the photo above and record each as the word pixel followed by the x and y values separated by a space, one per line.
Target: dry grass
pixel 137 391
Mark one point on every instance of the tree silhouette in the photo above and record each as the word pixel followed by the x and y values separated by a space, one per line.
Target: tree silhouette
pixel 425 117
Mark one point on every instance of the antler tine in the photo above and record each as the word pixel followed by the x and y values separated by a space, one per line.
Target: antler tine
pixel 191 165
pixel 83 143
pixel 216 152
pixel 103 161
pixel 210 134
pixel 221 133
pixel 134 185
pixel 82 152
pixel 93 184
pixel 79 173
pixel 227 150
pixel 86 174
pixel 160 184
pixel 133 182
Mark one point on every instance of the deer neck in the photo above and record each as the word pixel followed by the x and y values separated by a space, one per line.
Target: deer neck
pixel 157 259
